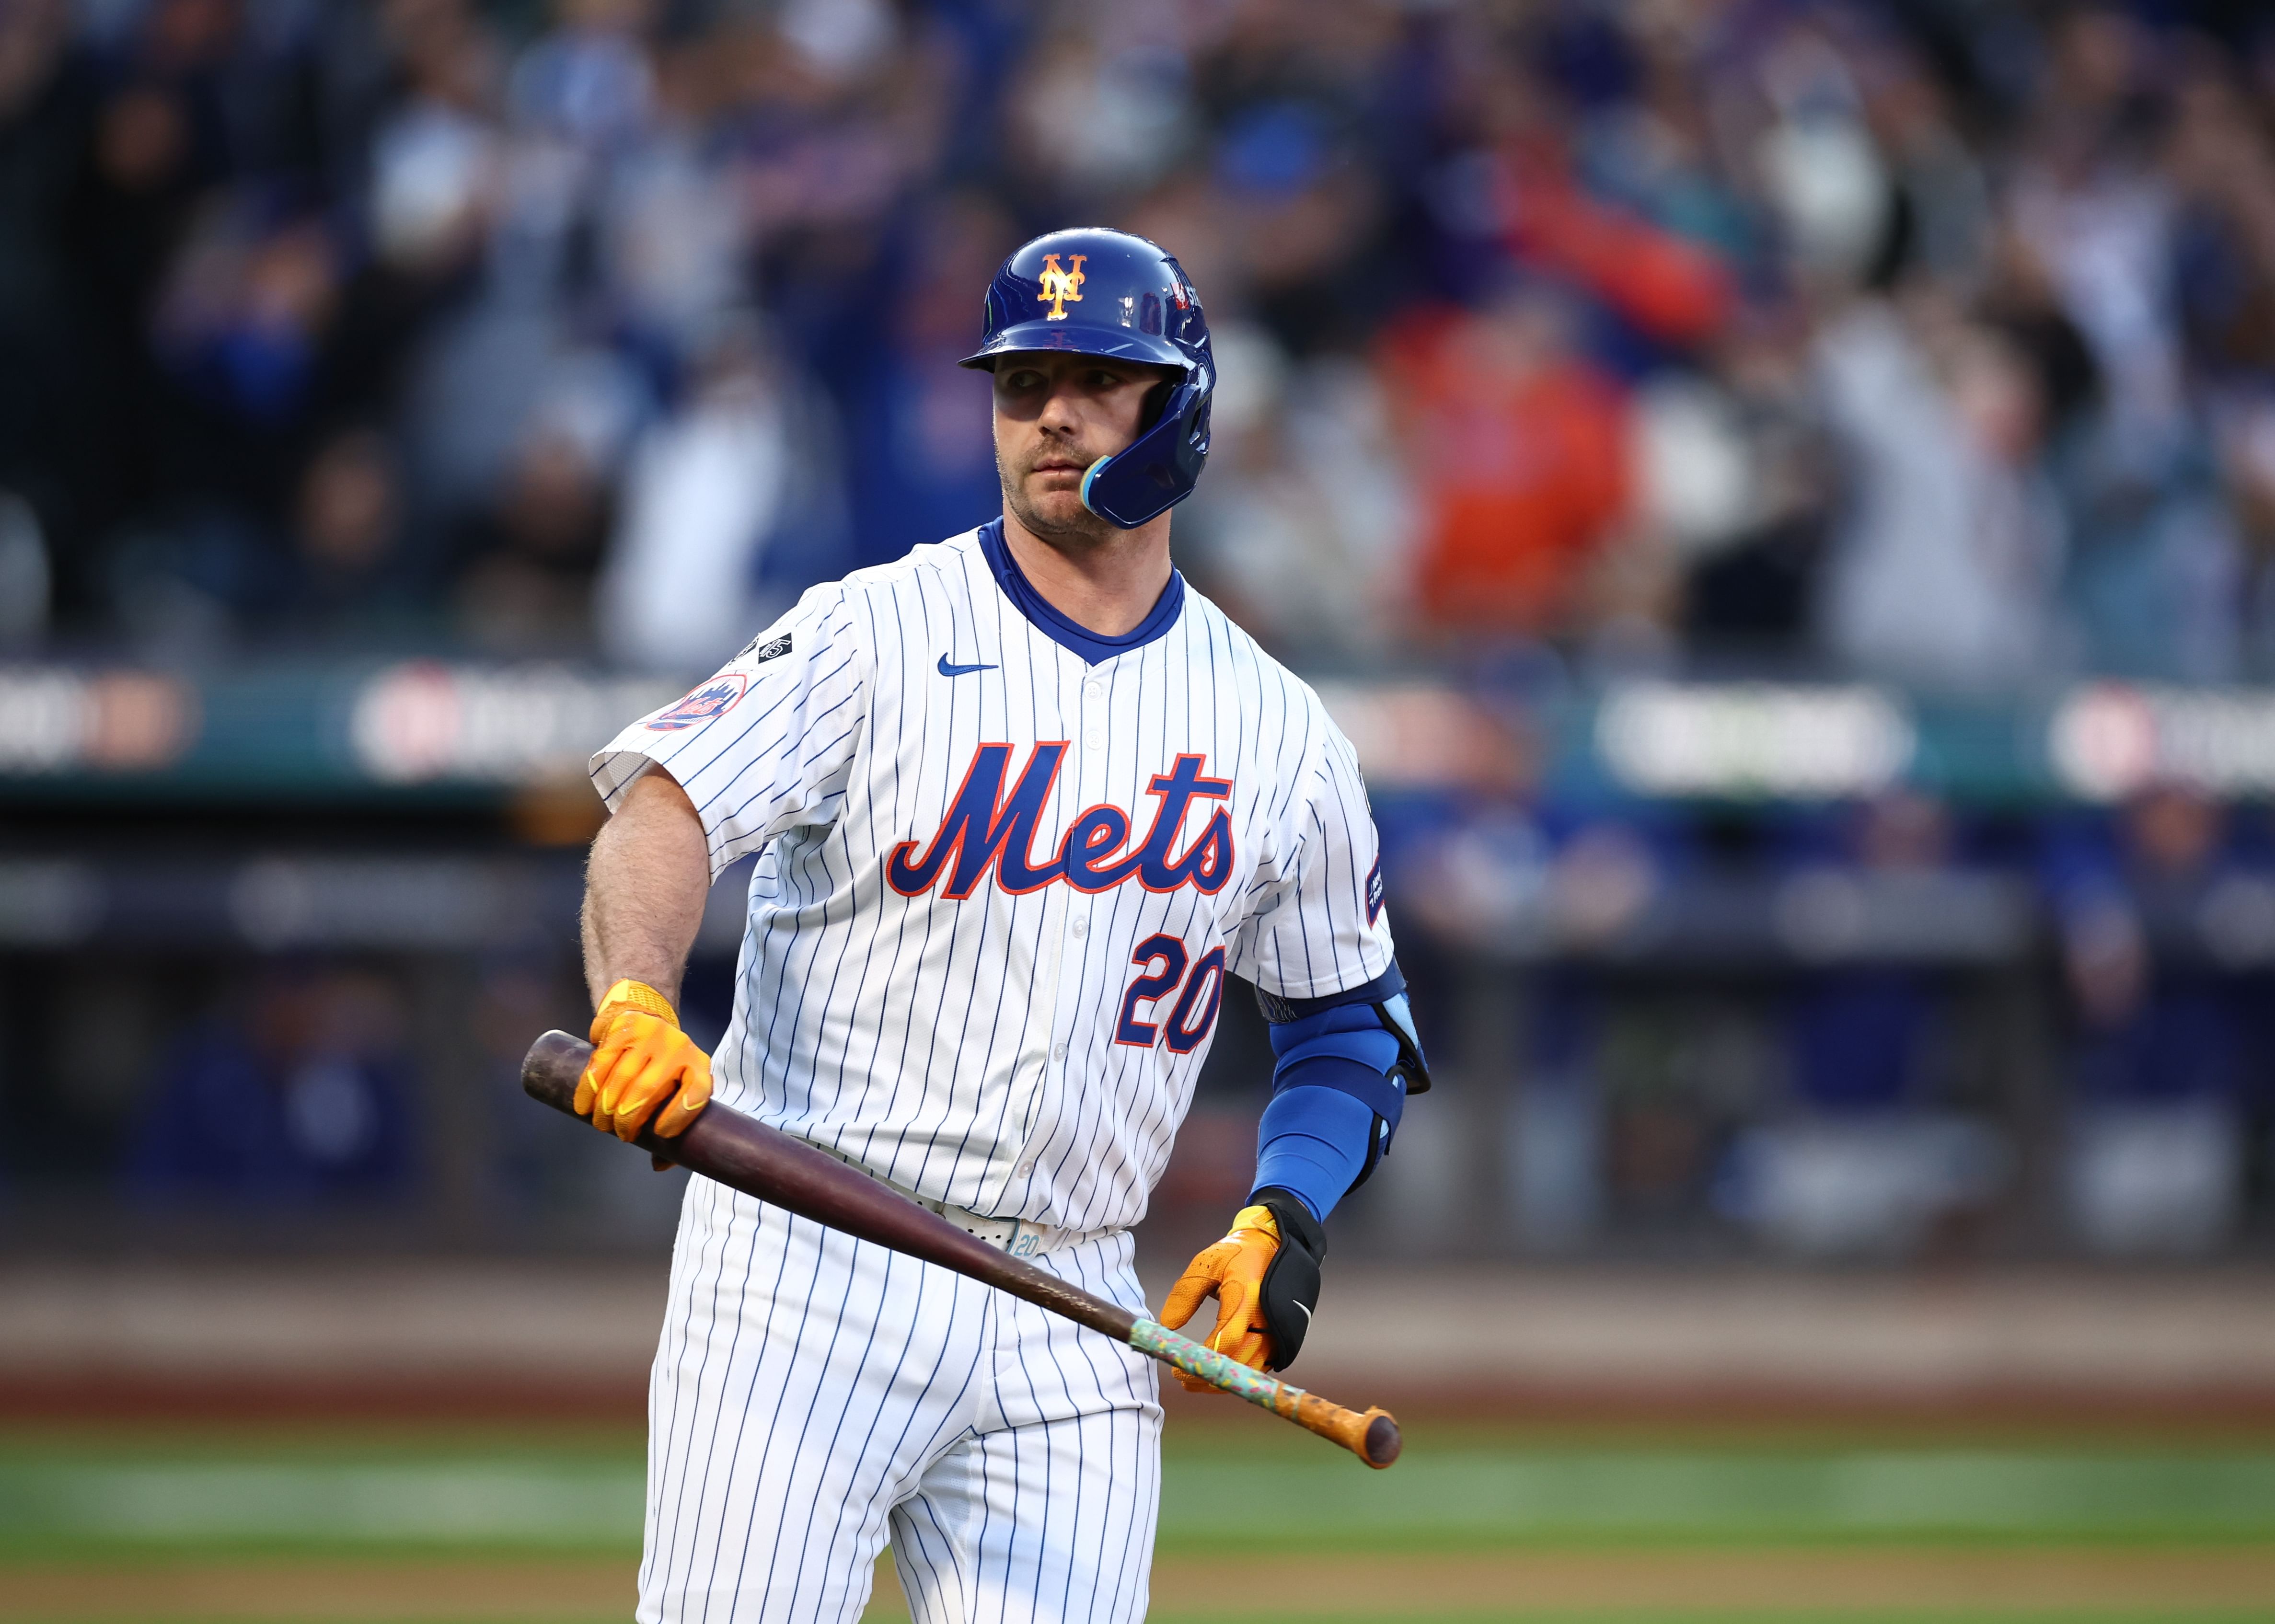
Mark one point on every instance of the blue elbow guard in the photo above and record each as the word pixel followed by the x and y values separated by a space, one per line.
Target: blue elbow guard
pixel 1378 1007
pixel 1344 1049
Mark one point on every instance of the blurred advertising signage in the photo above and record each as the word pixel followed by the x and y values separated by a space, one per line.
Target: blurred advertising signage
pixel 278 902
pixel 2111 740
pixel 423 722
pixel 1418 736
pixel 1754 739
pixel 55 719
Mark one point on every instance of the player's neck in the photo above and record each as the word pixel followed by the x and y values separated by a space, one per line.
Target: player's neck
pixel 1107 584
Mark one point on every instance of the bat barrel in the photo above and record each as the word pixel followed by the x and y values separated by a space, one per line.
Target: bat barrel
pixel 1372 1436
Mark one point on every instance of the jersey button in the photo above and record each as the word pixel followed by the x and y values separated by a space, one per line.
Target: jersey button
pixel 1058 1052
pixel 1080 927
pixel 1024 1168
pixel 1095 739
pixel 1096 690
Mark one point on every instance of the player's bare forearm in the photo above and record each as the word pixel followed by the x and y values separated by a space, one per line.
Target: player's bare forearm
pixel 645 887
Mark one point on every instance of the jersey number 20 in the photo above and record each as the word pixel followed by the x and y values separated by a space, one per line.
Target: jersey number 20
pixel 1195 1011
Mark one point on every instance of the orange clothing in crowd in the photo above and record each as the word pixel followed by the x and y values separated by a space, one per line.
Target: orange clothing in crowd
pixel 1676 291
pixel 1520 455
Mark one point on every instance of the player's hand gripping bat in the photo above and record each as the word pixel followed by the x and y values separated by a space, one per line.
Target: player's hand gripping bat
pixel 724 1145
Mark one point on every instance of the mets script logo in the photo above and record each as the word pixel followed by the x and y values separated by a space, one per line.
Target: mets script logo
pixel 985 832
pixel 714 697
pixel 1060 286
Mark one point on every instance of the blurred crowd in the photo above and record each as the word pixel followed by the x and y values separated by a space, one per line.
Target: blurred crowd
pixel 1928 339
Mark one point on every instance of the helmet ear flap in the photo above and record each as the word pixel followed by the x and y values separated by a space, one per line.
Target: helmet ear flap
pixel 1156 399
pixel 1157 470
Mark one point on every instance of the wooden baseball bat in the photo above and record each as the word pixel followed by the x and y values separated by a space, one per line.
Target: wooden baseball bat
pixel 722 1143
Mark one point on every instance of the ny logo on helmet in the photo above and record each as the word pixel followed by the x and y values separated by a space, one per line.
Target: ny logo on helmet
pixel 1059 286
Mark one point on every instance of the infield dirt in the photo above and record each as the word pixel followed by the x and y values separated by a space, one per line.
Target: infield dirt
pixel 2038 1583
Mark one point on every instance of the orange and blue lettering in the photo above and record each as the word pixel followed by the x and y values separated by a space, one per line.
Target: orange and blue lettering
pixel 985 831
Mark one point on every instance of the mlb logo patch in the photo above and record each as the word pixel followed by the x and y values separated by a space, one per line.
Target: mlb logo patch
pixel 713 699
pixel 1374 892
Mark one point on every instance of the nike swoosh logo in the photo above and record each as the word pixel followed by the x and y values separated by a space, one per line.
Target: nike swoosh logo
pixel 946 669
pixel 1307 1313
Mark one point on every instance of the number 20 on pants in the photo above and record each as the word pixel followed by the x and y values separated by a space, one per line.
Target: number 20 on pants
pixel 1163 962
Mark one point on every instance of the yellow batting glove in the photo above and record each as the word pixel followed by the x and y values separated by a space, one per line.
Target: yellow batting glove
pixel 642 1061
pixel 1232 1272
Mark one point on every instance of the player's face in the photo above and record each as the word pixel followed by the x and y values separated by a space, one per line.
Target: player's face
pixel 1056 414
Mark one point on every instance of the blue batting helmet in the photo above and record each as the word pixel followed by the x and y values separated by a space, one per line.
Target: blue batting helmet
pixel 1095 291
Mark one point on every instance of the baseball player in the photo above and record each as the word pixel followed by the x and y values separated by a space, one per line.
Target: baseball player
pixel 1023 803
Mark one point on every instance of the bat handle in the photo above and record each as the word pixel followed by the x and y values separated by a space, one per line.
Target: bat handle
pixel 1372 1435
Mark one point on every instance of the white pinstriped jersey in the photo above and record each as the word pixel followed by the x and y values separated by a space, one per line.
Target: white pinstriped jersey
pixel 1001 887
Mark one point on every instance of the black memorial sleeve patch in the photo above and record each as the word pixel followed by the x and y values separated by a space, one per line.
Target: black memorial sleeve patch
pixel 756 652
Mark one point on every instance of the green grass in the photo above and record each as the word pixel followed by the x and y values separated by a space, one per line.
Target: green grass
pixel 118 1499
pixel 435 1494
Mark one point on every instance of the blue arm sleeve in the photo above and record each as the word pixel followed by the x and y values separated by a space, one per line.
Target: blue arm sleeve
pixel 1312 1144
pixel 1333 1084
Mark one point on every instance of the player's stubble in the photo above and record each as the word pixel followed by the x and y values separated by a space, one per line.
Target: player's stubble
pixel 1055 515
pixel 1040 467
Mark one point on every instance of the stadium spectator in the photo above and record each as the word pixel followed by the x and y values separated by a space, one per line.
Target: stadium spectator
pixel 1303 529
pixel 349 514
pixel 526 557
pixel 298 1099
pixel 916 424
pixel 1519 448
pixel 1945 565
pixel 718 497
pixel 2159 1017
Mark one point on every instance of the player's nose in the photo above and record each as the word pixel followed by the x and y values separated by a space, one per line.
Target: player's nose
pixel 1062 411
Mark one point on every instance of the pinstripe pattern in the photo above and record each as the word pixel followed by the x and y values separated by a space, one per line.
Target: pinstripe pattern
pixel 812 1394
pixel 966 1049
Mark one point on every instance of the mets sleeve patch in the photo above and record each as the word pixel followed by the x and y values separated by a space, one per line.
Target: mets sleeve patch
pixel 715 697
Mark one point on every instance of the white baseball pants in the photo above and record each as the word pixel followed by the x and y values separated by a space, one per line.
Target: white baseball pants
pixel 812 1391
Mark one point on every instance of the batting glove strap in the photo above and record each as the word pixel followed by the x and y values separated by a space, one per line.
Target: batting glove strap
pixel 1290 1287
pixel 629 994
pixel 644 1070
